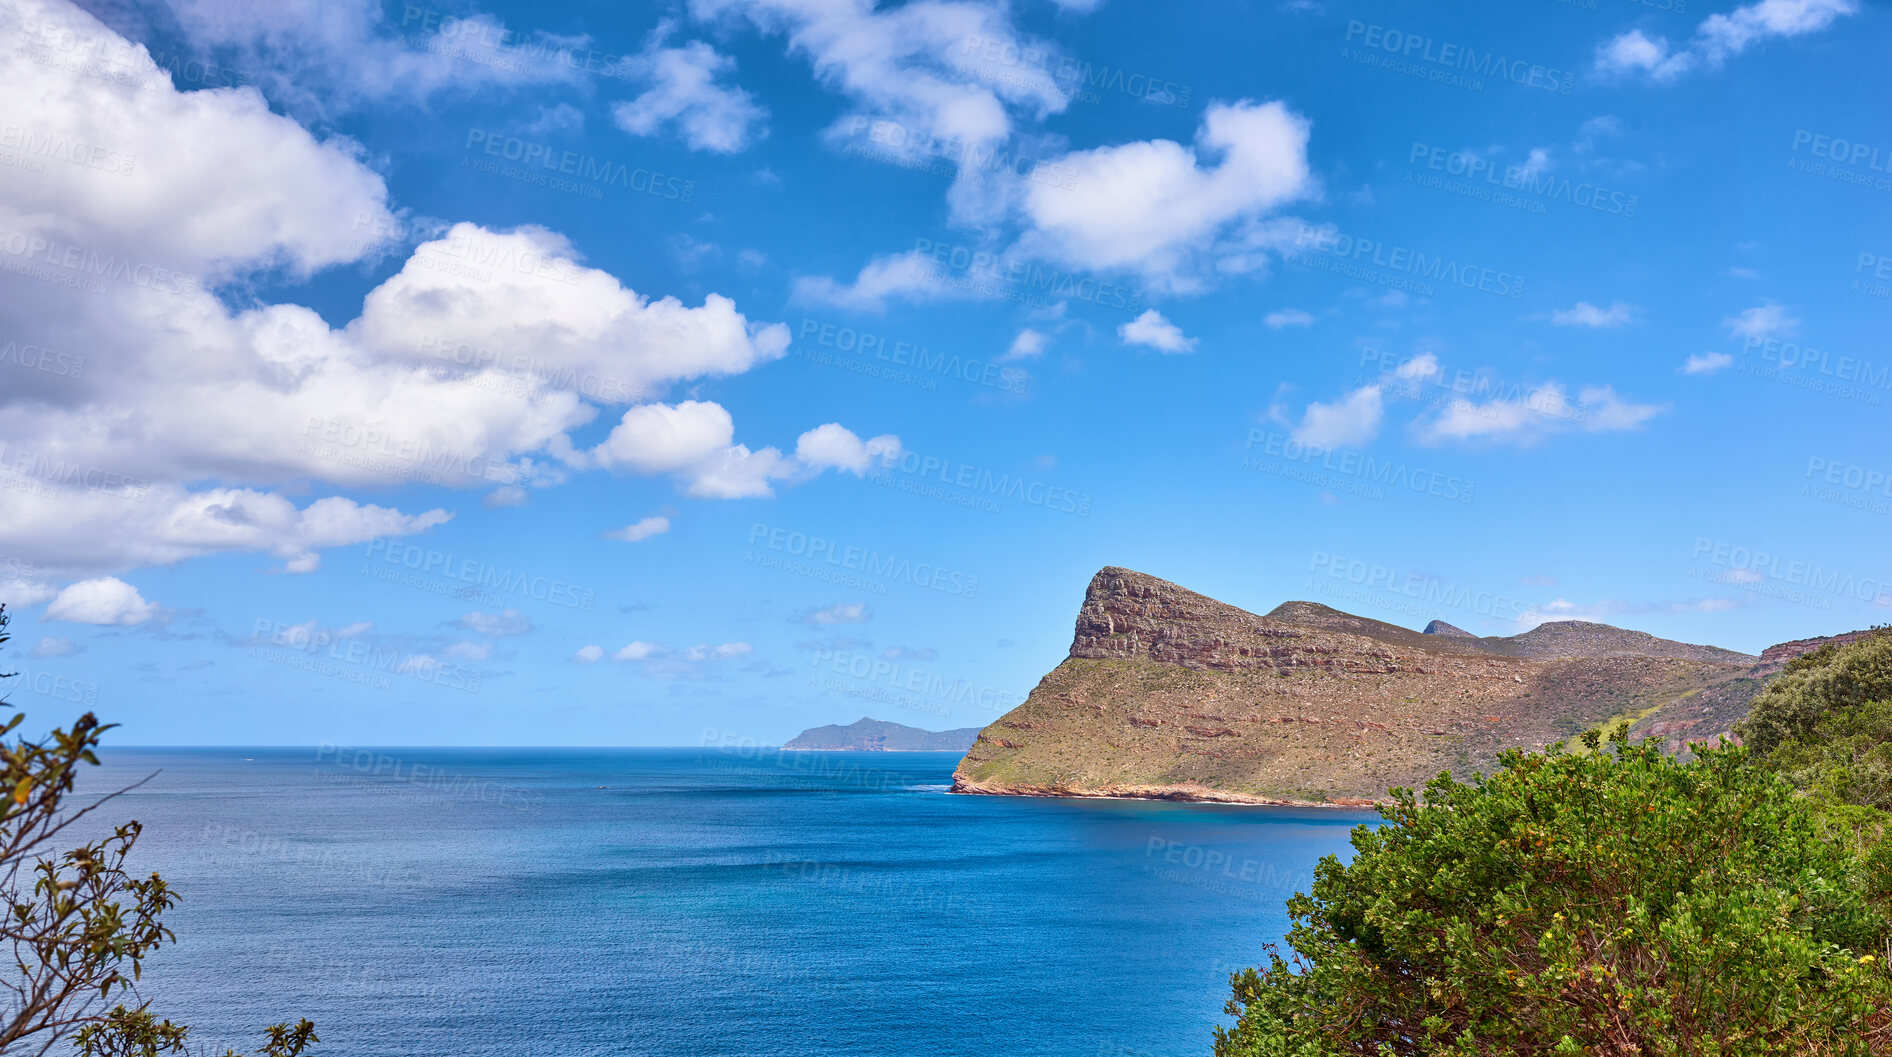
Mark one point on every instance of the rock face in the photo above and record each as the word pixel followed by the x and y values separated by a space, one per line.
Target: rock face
pixel 1171 694
pixel 866 734
pixel 1774 658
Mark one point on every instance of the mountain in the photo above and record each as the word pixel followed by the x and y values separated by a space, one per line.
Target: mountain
pixel 1170 694
pixel 875 735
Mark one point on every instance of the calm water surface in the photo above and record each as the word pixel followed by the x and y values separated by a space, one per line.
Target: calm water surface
pixel 670 902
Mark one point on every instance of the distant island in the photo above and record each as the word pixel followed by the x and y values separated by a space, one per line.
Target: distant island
pixel 873 735
pixel 1169 694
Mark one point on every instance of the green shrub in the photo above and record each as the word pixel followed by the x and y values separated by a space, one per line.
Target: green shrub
pixel 1600 902
pixel 1813 686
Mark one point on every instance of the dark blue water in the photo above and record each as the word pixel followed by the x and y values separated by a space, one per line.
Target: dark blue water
pixel 672 902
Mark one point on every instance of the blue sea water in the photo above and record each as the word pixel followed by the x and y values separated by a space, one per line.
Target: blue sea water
pixel 668 902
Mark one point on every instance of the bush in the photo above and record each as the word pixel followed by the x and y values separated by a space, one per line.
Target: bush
pixel 1814 686
pixel 1614 902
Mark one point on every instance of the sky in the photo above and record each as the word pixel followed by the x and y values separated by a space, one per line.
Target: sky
pixel 622 374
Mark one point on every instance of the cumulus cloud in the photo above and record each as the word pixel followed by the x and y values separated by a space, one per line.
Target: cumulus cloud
pixel 1166 211
pixel 106 600
pixel 640 530
pixel 1585 314
pixel 318 56
pixel 496 625
pixel 1762 321
pixel 684 91
pixel 1288 317
pixel 1531 416
pixel 468 368
pixel 1028 345
pixel 1718 38
pixel 723 652
pixel 909 276
pixel 924 66
pixel 1706 362
pixel 1350 421
pixel 52 646
pixel 1153 330
pixel 839 613
pixel 695 441
pixel 639 651
pixel 591 654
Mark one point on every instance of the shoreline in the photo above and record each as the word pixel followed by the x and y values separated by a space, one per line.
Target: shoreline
pixel 1188 794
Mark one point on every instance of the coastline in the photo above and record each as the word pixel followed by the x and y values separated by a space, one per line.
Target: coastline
pixel 1192 794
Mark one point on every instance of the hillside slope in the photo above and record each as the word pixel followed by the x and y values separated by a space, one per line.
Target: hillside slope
pixel 1168 693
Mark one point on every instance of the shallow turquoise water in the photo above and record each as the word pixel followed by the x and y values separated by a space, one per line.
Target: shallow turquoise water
pixel 680 901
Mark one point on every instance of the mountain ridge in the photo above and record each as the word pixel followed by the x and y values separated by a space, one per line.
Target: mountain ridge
pixel 867 734
pixel 1169 693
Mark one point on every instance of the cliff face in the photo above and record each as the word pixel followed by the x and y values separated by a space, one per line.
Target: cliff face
pixel 1168 693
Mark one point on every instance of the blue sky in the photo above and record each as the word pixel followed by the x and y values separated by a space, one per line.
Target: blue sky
pixel 607 374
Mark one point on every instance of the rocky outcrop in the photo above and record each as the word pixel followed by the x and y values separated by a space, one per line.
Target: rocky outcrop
pixel 1774 658
pixel 873 735
pixel 1167 693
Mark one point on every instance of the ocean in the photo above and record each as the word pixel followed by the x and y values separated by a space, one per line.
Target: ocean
pixel 671 902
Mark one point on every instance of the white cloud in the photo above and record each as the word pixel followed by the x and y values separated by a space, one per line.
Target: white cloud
pixel 1153 330
pixel 683 91
pixel 1706 362
pixel 1532 416
pixel 839 613
pixel 723 652
pixel 1350 421
pixel 1585 314
pixel 588 654
pixel 910 276
pixel 638 651
pixel 1288 317
pixel 51 646
pixel 640 530
pixel 496 625
pixel 919 65
pixel 1762 321
pixel 317 56
pixel 470 651
pixel 694 441
pixel 834 447
pixel 1152 207
pixel 1719 37
pixel 1028 345
pixel 106 600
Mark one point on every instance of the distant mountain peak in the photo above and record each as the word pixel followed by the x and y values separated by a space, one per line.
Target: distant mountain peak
pixel 1440 627
pixel 870 734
